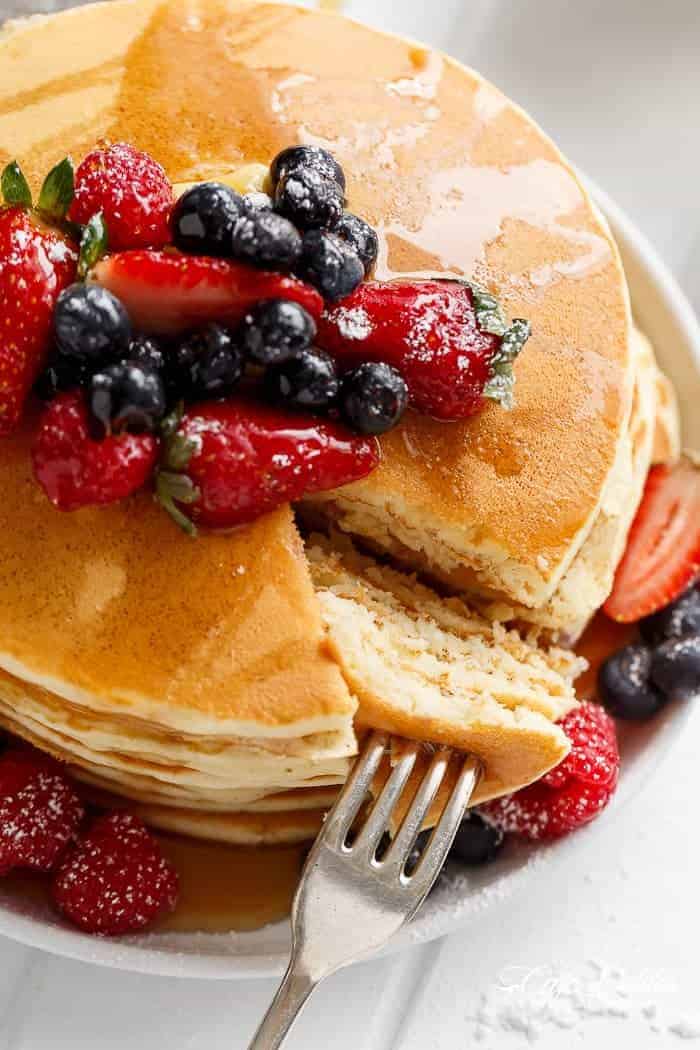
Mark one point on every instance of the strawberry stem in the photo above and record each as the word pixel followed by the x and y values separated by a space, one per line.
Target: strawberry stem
pixel 57 192
pixel 93 244
pixel 499 387
pixel 14 186
pixel 171 487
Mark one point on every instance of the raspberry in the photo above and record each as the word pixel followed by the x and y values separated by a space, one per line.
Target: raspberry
pixel 39 810
pixel 131 190
pixel 115 879
pixel 572 793
pixel 76 471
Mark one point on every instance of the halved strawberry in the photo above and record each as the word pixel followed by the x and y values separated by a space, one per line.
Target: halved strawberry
pixel 449 340
pixel 168 293
pixel 663 548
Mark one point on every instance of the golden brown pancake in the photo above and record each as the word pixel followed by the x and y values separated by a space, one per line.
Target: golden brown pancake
pixel 197 674
pixel 457 180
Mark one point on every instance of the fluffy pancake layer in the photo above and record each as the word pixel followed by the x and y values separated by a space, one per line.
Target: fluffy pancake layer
pixel 455 178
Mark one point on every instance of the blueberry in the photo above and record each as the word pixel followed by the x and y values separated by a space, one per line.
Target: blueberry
pixel 675 621
pixel 675 667
pixel 361 238
pixel 211 362
pixel 330 264
pixel 295 157
pixel 127 396
pixel 373 397
pixel 147 352
pixel 256 200
pixel 476 841
pixel 625 686
pixel 61 373
pixel 309 200
pixel 307 380
pixel 275 330
pixel 91 325
pixel 265 239
pixel 203 219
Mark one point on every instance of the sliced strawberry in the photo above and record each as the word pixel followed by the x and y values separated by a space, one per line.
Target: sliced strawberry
pixel 663 547
pixel 76 471
pixel 36 264
pixel 448 339
pixel 167 292
pixel 229 462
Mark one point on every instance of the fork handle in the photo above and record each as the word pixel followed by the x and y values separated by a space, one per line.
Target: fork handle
pixel 284 1009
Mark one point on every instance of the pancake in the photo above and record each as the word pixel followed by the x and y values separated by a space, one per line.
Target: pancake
pixel 455 178
pixel 220 679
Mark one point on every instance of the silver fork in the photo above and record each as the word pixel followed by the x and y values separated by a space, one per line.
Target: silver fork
pixel 349 901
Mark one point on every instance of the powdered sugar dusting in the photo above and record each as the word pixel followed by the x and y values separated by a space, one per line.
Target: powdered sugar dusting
pixel 353 322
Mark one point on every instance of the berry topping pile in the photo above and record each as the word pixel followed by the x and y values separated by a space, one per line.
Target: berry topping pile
pixel 228 348
pixel 572 793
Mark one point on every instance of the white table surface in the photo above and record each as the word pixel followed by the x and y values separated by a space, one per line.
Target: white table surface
pixel 603 951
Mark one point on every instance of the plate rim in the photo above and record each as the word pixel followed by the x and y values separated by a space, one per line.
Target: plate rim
pixel 643 264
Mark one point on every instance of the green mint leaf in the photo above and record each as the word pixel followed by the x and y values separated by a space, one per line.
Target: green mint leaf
pixel 57 192
pixel 15 188
pixel 93 244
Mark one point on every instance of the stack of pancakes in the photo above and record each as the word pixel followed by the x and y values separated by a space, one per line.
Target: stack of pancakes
pixel 220 685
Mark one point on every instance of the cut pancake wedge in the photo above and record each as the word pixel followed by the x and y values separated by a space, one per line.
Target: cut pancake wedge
pixel 435 670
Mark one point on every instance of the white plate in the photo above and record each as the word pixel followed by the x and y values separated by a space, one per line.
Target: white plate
pixel 664 313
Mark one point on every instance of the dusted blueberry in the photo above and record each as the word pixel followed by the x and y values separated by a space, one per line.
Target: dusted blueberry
pixel 256 200
pixel 127 397
pixel 361 238
pixel 676 620
pixel 329 263
pixel 265 239
pixel 309 200
pixel 625 686
pixel 147 352
pixel 476 841
pixel 275 330
pixel 373 397
pixel 675 667
pixel 307 380
pixel 211 361
pixel 203 218
pixel 313 157
pixel 91 325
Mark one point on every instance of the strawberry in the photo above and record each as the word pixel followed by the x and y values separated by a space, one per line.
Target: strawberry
pixel 167 292
pixel 663 547
pixel 132 192
pixel 575 791
pixel 115 879
pixel 448 339
pixel 36 264
pixel 39 810
pixel 75 470
pixel 231 461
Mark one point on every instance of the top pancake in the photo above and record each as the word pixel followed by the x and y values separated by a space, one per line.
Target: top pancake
pixel 457 180
pixel 115 608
